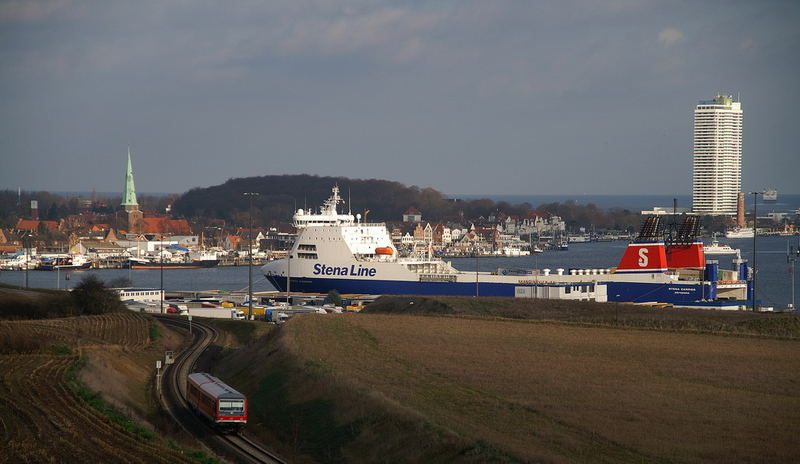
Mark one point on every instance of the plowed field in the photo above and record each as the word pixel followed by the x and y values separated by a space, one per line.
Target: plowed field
pixel 125 328
pixel 41 419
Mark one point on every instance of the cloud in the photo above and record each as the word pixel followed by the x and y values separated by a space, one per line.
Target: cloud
pixel 748 45
pixel 670 36
pixel 30 10
pixel 396 32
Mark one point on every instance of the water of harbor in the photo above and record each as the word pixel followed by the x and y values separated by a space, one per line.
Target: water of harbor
pixel 773 284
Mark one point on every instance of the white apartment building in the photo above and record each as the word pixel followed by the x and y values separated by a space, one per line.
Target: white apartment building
pixel 717 166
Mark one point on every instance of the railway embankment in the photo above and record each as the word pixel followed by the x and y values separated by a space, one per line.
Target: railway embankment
pixel 449 379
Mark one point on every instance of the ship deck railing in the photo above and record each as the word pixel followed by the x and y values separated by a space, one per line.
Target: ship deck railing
pixel 437 278
pixel 369 224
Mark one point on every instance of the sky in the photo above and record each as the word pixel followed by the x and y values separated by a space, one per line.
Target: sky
pixel 494 97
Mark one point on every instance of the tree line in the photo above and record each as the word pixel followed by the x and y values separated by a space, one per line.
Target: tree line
pixel 279 196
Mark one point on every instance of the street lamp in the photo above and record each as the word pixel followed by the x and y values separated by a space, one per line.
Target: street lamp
pixel 791 257
pixel 27 257
pixel 755 234
pixel 250 195
pixel 477 268
pixel 161 261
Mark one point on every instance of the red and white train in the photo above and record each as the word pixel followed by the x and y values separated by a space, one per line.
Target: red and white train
pixel 216 401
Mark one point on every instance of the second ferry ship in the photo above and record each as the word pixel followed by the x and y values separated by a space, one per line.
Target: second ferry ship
pixel 338 251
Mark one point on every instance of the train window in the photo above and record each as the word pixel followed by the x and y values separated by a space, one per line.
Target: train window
pixel 231 407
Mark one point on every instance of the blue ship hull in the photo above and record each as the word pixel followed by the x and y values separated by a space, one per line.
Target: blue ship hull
pixel 628 292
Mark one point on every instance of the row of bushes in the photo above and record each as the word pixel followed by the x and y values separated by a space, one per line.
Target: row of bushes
pixel 90 296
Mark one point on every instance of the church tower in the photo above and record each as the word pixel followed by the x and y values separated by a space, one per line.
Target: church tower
pixel 129 201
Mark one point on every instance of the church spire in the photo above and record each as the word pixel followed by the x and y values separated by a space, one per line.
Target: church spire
pixel 129 198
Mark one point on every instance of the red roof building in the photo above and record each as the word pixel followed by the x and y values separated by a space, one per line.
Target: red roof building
pixel 232 242
pixel 32 225
pixel 162 225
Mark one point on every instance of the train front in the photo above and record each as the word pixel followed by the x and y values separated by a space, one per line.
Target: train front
pixel 231 411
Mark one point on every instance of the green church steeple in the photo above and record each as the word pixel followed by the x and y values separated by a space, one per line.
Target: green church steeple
pixel 129 199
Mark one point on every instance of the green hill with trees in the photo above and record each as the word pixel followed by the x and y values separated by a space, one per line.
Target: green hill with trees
pixel 280 195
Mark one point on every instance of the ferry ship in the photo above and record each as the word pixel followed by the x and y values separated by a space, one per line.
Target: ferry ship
pixel 739 233
pixel 338 251
pixel 716 248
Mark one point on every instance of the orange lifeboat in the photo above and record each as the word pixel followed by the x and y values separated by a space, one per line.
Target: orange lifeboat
pixel 384 251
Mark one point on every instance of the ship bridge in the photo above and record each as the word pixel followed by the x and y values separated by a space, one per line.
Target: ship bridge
pixel 327 216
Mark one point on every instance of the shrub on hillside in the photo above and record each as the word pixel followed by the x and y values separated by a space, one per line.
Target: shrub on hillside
pixel 334 298
pixel 91 296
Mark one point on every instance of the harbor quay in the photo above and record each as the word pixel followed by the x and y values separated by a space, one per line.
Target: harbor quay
pixel 774 284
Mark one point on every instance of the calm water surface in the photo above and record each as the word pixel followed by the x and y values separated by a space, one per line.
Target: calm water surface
pixel 774 284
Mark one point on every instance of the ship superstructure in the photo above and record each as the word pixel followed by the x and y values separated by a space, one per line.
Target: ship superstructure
pixel 338 251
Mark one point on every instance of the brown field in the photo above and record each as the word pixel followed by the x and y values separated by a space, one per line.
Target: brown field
pixel 126 329
pixel 784 325
pixel 424 388
pixel 41 417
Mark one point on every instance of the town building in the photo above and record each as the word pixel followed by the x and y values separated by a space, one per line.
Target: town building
pixel 129 202
pixel 33 225
pixel 97 249
pixel 412 215
pixel 717 164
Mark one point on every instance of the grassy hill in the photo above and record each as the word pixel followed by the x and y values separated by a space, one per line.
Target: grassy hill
pixel 506 383
pixel 603 314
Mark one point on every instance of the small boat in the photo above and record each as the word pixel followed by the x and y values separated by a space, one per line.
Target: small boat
pixel 716 249
pixel 579 239
pixel 19 262
pixel 512 251
pixel 739 233
pixel 65 263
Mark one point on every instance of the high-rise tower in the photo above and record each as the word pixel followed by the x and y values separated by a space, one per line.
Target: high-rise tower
pixel 717 167
pixel 129 200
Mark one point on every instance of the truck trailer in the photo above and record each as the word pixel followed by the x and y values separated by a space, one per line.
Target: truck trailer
pixel 220 313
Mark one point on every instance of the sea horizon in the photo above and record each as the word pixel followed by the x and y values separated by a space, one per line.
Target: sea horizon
pixel 784 203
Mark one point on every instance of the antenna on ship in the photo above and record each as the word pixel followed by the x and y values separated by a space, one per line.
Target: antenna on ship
pixel 349 207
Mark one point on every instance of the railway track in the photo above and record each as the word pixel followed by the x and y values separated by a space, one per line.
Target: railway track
pixel 174 399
